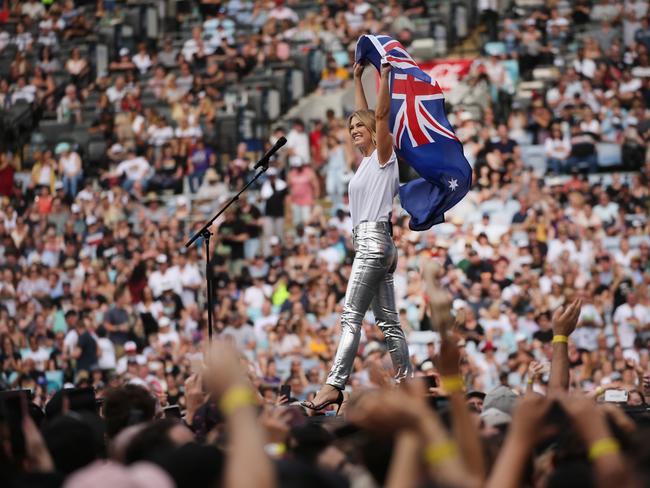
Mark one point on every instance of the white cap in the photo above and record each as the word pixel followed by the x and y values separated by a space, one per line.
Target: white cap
pixel 164 322
pixel 493 417
pixel 58 185
pixel 295 161
pixel 130 346
pixel 161 259
pixel 274 240
pixel 181 201
pixel 124 51
pixel 75 208
pixel 91 220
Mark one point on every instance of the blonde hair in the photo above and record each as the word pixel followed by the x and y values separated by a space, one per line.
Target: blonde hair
pixel 367 118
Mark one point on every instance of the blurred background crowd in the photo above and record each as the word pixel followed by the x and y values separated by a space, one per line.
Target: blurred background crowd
pixel 125 125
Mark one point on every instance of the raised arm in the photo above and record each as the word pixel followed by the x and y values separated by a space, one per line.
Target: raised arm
pixel 382 115
pixel 463 428
pixel 360 102
pixel 564 323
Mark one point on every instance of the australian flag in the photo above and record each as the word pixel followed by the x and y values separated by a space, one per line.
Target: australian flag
pixel 422 135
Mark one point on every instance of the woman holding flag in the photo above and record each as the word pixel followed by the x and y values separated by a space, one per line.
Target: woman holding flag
pixel 372 190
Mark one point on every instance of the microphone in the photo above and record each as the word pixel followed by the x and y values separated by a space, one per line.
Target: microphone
pixel 265 159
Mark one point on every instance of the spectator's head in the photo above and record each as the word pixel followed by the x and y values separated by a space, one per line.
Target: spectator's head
pixel 74 440
pixel 475 399
pixel 156 438
pixel 125 406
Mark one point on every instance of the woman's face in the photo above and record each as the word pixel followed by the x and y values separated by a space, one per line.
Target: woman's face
pixel 361 137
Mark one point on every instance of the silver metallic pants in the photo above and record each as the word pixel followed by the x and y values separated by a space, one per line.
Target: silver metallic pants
pixel 370 284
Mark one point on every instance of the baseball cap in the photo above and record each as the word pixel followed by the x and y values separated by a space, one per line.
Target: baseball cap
pixel 501 398
pixel 295 161
pixel 274 240
pixel 426 366
pixel 161 259
pixel 124 51
pixel 164 322
pixel 130 346
pixel 91 220
pixel 493 417
pixel 475 394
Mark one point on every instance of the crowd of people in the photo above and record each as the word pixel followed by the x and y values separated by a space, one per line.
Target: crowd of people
pixel 97 290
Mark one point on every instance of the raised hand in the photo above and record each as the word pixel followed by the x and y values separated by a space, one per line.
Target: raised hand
pixel 529 419
pixel 358 70
pixel 535 369
pixel 276 423
pixel 222 368
pixel 194 396
pixel 566 319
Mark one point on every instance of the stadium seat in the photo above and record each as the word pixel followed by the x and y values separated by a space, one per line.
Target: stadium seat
pixel 533 157
pixel 52 130
pixel 494 48
pixel 96 152
pixel 546 73
pixel 609 154
pixel 423 49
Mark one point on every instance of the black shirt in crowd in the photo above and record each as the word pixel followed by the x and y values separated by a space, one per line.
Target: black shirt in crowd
pixel 88 346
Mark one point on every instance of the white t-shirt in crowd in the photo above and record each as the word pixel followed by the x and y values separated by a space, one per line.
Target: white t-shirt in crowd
pixel 107 358
pixel 298 142
pixel 623 316
pixel 262 324
pixel 158 280
pixel 135 169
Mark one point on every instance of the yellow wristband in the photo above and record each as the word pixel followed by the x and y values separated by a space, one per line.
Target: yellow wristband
pixel 560 339
pixel 276 449
pixel 236 397
pixel 452 384
pixel 599 391
pixel 439 453
pixel 603 447
pixel 531 381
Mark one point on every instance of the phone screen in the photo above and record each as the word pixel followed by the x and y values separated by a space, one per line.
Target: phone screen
pixel 432 381
pixel 616 396
pixel 285 390
pixel 173 412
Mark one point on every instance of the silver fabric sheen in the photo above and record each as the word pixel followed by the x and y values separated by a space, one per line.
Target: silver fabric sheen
pixel 370 285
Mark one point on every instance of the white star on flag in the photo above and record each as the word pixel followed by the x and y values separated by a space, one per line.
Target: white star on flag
pixel 453 184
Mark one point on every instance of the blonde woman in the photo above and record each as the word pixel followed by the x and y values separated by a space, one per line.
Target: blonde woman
pixel 372 189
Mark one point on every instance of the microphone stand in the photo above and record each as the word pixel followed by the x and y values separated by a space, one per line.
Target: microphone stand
pixel 206 234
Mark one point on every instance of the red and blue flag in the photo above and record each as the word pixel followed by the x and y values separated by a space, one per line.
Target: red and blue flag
pixel 422 135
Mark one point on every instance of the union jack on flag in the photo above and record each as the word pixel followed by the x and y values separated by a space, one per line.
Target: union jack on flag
pixel 422 135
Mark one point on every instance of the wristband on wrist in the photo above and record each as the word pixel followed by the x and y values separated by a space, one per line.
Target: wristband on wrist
pixel 531 380
pixel 452 384
pixel 603 447
pixel 235 398
pixel 560 339
pixel 275 449
pixel 440 452
pixel 599 391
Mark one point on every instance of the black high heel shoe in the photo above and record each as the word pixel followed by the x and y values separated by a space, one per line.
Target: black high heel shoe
pixel 338 402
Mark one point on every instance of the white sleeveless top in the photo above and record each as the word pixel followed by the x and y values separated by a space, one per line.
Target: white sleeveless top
pixel 372 189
